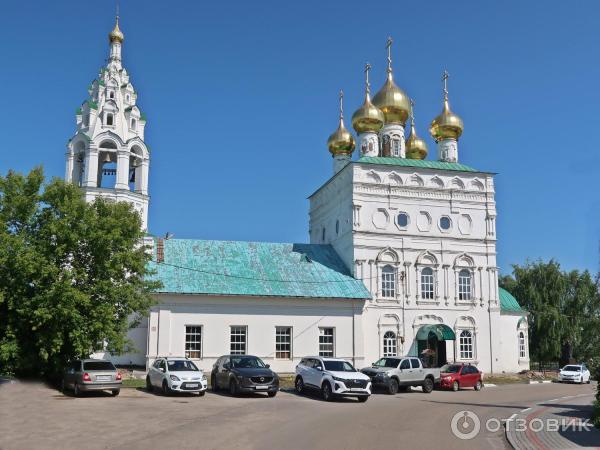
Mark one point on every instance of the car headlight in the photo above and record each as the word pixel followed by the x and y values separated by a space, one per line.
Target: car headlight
pixel 239 377
pixel 174 378
pixel 203 377
pixel 339 379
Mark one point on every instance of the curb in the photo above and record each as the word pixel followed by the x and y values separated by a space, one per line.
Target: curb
pixel 540 382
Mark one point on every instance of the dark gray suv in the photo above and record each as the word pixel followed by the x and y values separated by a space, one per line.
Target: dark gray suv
pixel 91 375
pixel 243 374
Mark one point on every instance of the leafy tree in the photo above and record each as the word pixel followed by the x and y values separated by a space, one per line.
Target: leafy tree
pixel 564 308
pixel 73 275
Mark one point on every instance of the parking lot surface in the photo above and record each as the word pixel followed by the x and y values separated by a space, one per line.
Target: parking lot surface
pixel 35 416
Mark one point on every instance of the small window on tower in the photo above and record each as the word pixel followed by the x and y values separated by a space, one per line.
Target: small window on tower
pixel 86 120
pixel 133 124
pixel 112 95
pixel 109 119
pixel 128 98
pixel 396 147
pixel 323 235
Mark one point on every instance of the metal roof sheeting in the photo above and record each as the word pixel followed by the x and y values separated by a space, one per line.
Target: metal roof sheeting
pixel 254 269
pixel 423 163
pixel 508 303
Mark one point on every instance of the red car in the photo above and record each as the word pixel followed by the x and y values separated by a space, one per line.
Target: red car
pixel 456 376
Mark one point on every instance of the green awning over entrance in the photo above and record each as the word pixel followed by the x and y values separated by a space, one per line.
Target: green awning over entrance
pixel 441 331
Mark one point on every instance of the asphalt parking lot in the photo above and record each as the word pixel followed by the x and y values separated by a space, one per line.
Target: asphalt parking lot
pixel 35 416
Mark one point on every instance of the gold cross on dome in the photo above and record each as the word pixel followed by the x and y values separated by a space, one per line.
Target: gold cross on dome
pixel 412 110
pixel 445 77
pixel 341 104
pixel 367 84
pixel 388 45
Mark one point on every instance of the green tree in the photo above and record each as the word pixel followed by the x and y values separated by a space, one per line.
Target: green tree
pixel 73 275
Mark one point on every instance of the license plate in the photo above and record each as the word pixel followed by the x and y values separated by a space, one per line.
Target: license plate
pixel 261 387
pixel 194 385
pixel 103 378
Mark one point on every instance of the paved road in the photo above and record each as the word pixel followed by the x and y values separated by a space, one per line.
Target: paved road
pixel 33 416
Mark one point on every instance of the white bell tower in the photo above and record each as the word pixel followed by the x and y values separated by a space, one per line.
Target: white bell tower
pixel 107 156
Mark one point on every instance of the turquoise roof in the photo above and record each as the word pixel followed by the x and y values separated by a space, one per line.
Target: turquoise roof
pixel 509 304
pixel 254 269
pixel 422 163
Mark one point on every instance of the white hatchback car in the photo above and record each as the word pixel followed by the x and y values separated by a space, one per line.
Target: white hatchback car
pixel 332 377
pixel 574 373
pixel 176 375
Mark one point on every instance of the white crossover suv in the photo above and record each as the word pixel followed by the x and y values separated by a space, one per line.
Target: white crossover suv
pixel 176 375
pixel 574 373
pixel 332 377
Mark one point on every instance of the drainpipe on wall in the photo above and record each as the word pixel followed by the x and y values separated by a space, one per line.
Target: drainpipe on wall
pixel 490 327
pixel 353 338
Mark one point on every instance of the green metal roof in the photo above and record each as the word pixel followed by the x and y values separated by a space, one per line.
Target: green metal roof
pixel 441 331
pixel 508 303
pixel 422 163
pixel 254 269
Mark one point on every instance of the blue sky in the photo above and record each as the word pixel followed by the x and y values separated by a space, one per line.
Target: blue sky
pixel 241 97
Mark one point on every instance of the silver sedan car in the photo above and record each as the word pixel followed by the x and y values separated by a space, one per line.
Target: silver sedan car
pixel 91 375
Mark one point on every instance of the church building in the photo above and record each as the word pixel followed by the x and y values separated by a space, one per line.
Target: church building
pixel 401 258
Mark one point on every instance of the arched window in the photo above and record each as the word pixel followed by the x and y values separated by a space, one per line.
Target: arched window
pixel 388 282
pixel 323 235
pixel 390 344
pixel 109 119
pixel 427 283
pixel 133 124
pixel 522 353
pixel 112 95
pixel 464 285
pixel 396 147
pixel 466 344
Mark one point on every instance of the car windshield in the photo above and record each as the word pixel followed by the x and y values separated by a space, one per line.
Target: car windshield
pixel 572 369
pixel 247 362
pixel 387 362
pixel 450 368
pixel 339 366
pixel 98 365
pixel 181 366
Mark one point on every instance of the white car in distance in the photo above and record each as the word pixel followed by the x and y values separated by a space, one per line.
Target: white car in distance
pixel 333 377
pixel 574 373
pixel 171 374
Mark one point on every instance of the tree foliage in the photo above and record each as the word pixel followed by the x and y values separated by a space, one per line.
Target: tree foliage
pixel 564 311
pixel 72 275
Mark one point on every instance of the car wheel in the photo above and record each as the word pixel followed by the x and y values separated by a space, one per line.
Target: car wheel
pixel 589 380
pixel 272 394
pixel 165 388
pixel 478 386
pixel 76 391
pixel 201 393
pixel 233 389
pixel 428 385
pixel 363 398
pixel 455 386
pixel 392 387
pixel 213 383
pixel 116 392
pixel 326 392
pixel 299 385
pixel 149 386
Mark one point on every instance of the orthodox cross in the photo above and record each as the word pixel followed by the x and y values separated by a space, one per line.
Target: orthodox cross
pixel 412 111
pixel 341 105
pixel 367 84
pixel 445 77
pixel 388 45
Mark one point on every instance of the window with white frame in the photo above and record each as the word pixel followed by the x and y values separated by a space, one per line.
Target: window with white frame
pixel 283 342
pixel 388 282
pixel 465 340
pixel 193 341
pixel 464 285
pixel 327 342
pixel 238 338
pixel 427 283
pixel 390 344
pixel 522 351
pixel 396 147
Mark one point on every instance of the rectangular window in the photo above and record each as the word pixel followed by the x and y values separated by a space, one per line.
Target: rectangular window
pixel 109 119
pixel 193 341
pixel 238 340
pixel 283 342
pixel 327 342
pixel 466 344
pixel 427 287
pixel 388 282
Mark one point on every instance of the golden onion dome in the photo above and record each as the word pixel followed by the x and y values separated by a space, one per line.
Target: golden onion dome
pixel 116 35
pixel 447 125
pixel 416 148
pixel 341 141
pixel 367 118
pixel 392 101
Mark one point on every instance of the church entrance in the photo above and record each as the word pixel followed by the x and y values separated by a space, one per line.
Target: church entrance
pixel 431 344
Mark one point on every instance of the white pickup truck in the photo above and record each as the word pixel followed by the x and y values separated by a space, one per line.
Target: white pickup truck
pixel 395 373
